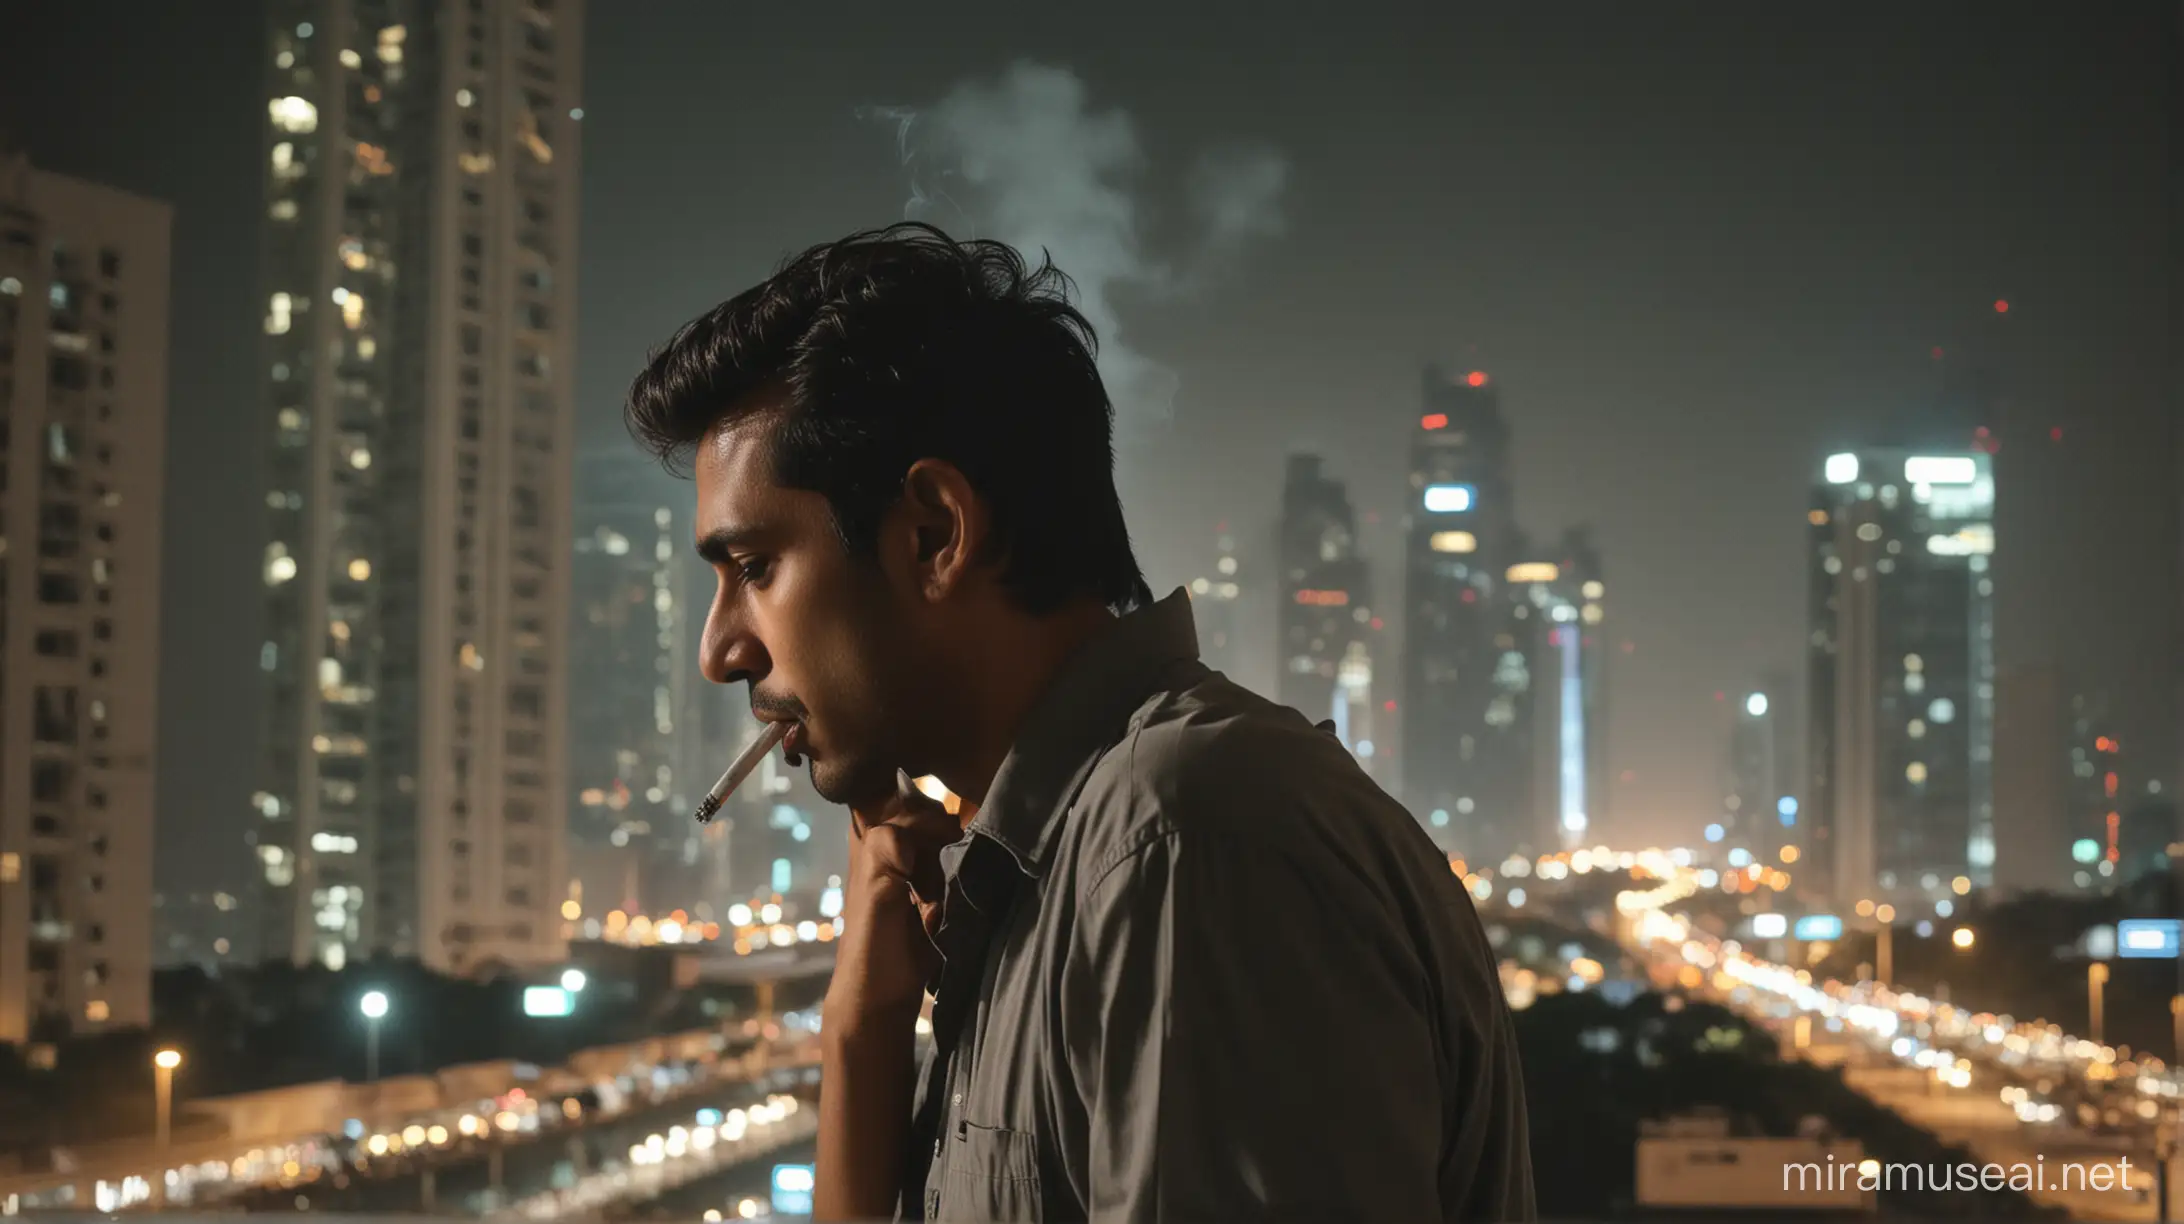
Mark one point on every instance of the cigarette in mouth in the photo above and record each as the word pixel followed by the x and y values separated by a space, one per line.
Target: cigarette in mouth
pixel 752 755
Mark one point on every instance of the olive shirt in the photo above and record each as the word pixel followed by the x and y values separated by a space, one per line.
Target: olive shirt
pixel 1197 966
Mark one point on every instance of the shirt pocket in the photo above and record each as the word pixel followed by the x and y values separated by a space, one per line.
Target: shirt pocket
pixel 992 1175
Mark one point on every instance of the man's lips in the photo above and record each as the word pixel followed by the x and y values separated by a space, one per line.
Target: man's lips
pixel 795 744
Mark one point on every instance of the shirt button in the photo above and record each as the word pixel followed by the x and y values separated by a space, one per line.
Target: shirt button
pixel 932 1204
pixel 957 1099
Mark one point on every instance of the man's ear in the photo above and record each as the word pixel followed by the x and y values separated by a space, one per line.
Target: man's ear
pixel 949 522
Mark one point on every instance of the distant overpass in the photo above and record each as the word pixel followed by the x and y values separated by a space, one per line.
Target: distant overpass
pixel 796 962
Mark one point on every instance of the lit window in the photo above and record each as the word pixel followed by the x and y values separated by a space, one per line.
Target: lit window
pixel 1916 729
pixel 293 114
pixel 11 286
pixel 286 59
pixel 282 210
pixel 1869 532
pixel 360 459
pixel 278 314
pixel 1913 663
pixel 350 59
pixel 1915 772
pixel 279 566
pixel 464 97
pixel 360 569
pixel 1842 469
pixel 1453 541
pixel 96 1011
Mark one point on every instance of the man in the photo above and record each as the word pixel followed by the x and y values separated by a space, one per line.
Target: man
pixel 1187 961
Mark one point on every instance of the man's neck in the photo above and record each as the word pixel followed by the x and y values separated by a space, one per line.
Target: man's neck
pixel 1027 655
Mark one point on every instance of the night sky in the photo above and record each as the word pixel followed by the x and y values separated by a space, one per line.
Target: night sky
pixel 1698 246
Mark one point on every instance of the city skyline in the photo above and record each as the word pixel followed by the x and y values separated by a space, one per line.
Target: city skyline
pixel 1682 356
pixel 1719 472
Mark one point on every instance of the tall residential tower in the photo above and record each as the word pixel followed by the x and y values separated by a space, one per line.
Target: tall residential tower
pixel 1467 761
pixel 1902 673
pixel 419 262
pixel 83 384
pixel 1324 620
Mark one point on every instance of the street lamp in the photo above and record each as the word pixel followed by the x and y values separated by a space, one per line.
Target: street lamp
pixel 1963 937
pixel 374 1007
pixel 572 980
pixel 163 1065
pixel 1884 943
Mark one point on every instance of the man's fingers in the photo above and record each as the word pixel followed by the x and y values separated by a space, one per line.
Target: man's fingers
pixel 902 852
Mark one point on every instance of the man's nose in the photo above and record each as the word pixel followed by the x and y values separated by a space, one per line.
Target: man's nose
pixel 731 652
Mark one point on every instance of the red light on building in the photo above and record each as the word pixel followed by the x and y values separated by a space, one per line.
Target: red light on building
pixel 2001 306
pixel 1433 420
pixel 1935 353
pixel 2115 822
pixel 2109 783
pixel 1469 595
pixel 1720 696
pixel 1376 622
pixel 1476 378
pixel 1630 647
pixel 1389 706
pixel 1323 599
pixel 2055 434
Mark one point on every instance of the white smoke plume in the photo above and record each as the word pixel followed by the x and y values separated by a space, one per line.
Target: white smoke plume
pixel 1024 159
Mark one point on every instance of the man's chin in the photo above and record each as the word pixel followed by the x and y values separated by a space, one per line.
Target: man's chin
pixel 851 785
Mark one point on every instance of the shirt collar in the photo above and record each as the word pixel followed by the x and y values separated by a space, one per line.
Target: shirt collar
pixel 1079 715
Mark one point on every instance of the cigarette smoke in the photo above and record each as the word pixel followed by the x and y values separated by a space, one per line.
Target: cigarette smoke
pixel 1022 158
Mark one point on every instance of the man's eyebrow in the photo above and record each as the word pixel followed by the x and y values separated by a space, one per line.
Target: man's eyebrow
pixel 721 542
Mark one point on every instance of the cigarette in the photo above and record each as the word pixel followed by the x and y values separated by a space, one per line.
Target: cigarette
pixel 752 755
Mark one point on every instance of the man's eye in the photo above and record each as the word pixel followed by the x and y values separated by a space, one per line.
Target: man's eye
pixel 752 571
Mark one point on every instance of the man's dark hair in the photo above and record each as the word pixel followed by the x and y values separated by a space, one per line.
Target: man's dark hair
pixel 902 344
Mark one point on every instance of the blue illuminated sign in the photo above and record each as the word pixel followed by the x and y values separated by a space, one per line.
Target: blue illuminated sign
pixel 792 1189
pixel 1450 498
pixel 2148 938
pixel 1819 926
